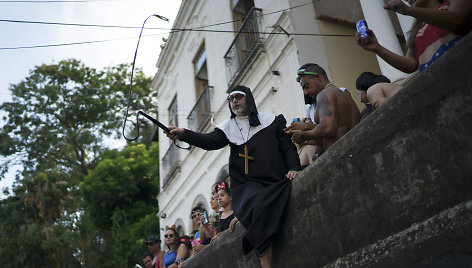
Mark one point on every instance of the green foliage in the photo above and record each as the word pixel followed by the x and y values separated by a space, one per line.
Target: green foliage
pixel 60 113
pixel 35 231
pixel 55 128
pixel 119 196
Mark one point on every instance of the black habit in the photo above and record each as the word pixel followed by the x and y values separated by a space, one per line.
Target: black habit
pixel 260 197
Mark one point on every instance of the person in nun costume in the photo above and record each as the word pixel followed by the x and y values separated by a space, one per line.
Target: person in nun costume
pixel 262 163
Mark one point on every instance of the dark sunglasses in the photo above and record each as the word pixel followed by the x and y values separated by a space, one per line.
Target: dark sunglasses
pixel 196 215
pixel 168 235
pixel 235 96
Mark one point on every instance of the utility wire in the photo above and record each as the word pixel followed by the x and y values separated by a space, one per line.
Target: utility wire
pixel 57 1
pixel 138 27
pixel 192 30
pixel 65 44
pixel 197 29
pixel 81 25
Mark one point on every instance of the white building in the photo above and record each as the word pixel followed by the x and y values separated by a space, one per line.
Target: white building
pixel 218 44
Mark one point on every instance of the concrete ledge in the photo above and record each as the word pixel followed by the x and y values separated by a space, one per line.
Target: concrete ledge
pixel 412 247
pixel 407 162
pixel 226 251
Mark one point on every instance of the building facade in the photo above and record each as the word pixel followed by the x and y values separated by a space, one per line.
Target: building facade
pixel 217 44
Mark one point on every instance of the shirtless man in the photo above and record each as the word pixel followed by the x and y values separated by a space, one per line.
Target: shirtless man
pixel 375 89
pixel 336 112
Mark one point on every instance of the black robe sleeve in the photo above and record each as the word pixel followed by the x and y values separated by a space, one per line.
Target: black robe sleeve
pixel 210 141
pixel 289 150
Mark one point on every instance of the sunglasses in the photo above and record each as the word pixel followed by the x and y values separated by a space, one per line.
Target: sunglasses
pixel 235 96
pixel 168 235
pixel 302 72
pixel 196 215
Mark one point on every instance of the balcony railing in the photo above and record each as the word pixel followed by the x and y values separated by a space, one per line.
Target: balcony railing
pixel 201 112
pixel 246 42
pixel 170 164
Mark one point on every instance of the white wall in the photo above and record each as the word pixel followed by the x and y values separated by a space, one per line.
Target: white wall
pixel 199 168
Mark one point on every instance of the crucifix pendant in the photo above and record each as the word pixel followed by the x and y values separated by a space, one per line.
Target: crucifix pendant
pixel 246 159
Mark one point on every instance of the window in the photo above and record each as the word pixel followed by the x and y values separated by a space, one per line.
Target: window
pixel 173 114
pixel 240 10
pixel 201 73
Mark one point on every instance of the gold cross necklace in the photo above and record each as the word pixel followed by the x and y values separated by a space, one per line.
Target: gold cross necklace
pixel 245 155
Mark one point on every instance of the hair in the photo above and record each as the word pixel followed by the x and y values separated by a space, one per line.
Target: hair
pixel 150 255
pixel 215 187
pixel 313 67
pixel 368 79
pixel 146 255
pixel 195 209
pixel 177 239
pixel 186 241
pixel 226 189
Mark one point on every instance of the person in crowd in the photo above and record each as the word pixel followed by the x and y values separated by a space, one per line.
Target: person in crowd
pixel 438 26
pixel 262 163
pixel 147 260
pixel 210 229
pixel 215 206
pixel 374 90
pixel 192 241
pixel 153 243
pixel 336 112
pixel 186 240
pixel 225 201
pixel 192 235
pixel 199 241
pixel 176 250
pixel 306 152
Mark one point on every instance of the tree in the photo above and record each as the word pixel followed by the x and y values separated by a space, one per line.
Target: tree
pixel 60 114
pixel 55 127
pixel 119 201
pixel 35 231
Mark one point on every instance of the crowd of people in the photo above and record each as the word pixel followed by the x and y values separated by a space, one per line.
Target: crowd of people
pixel 266 154
pixel 180 248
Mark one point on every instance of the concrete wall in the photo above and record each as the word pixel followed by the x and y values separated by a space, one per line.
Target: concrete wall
pixel 395 191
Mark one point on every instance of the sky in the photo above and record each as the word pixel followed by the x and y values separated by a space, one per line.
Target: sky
pixel 15 64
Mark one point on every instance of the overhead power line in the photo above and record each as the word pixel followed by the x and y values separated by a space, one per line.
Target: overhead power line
pixel 57 1
pixel 137 27
pixel 179 30
pixel 196 29
pixel 80 24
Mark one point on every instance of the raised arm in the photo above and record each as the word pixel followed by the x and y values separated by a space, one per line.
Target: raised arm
pixel 210 141
pixel 407 64
pixel 455 18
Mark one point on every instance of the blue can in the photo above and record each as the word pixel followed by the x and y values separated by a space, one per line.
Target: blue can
pixel 296 120
pixel 361 27
pixel 206 219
